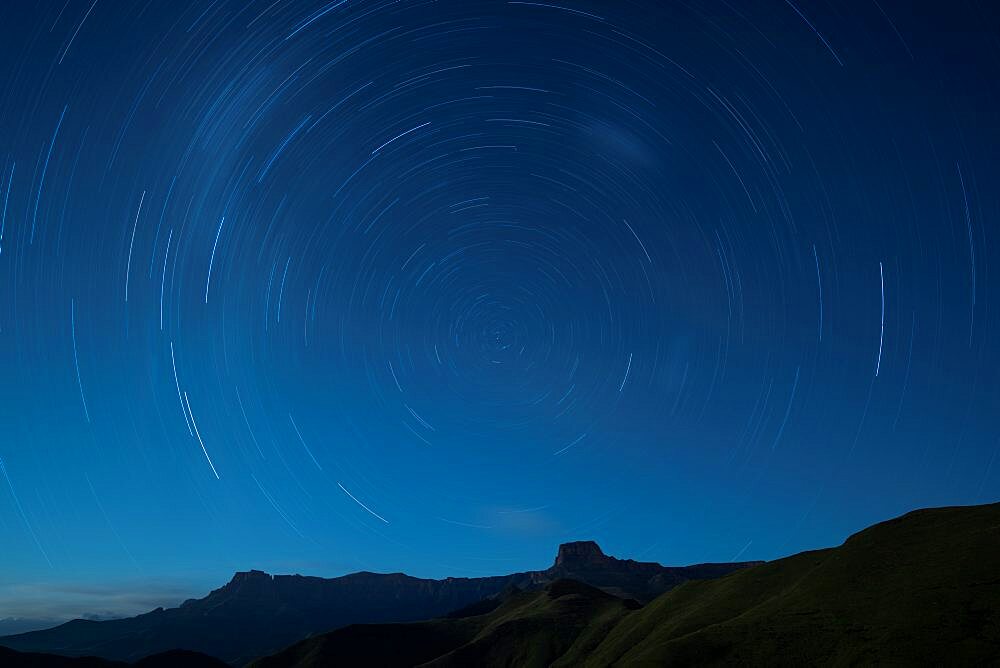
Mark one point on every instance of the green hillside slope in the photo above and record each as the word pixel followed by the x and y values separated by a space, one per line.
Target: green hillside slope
pixel 921 589
pixel 527 629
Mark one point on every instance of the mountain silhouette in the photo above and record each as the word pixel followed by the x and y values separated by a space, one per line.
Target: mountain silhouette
pixel 921 589
pixel 256 613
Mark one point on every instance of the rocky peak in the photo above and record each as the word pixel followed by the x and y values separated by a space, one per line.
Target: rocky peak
pixel 581 553
pixel 247 584
pixel 241 577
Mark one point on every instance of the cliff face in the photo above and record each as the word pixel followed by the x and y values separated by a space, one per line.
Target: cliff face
pixel 582 553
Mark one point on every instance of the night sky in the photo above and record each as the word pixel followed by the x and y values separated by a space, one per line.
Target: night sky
pixel 434 286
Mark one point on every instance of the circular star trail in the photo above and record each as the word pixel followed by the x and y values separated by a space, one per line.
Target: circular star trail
pixel 319 286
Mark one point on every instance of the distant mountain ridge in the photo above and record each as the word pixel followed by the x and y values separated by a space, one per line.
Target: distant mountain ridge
pixel 256 613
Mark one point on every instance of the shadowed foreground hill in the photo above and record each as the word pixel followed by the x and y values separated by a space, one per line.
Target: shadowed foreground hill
pixel 257 614
pixel 11 659
pixel 922 589
pixel 525 629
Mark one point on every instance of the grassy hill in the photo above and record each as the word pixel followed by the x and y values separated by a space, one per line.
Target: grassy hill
pixel 922 589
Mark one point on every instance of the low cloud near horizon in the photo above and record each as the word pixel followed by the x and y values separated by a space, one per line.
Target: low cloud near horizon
pixel 52 602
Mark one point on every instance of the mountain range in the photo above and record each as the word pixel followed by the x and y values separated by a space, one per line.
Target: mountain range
pixel 256 613
pixel 918 590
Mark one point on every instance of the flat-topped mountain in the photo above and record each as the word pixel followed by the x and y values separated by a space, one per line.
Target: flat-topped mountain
pixel 582 553
pixel 256 613
pixel 625 578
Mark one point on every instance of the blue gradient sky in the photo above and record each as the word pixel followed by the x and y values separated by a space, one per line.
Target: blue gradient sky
pixel 434 286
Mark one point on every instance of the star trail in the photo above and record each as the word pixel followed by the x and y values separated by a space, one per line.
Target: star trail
pixel 433 286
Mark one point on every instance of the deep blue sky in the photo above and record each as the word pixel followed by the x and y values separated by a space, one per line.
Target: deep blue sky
pixel 434 286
